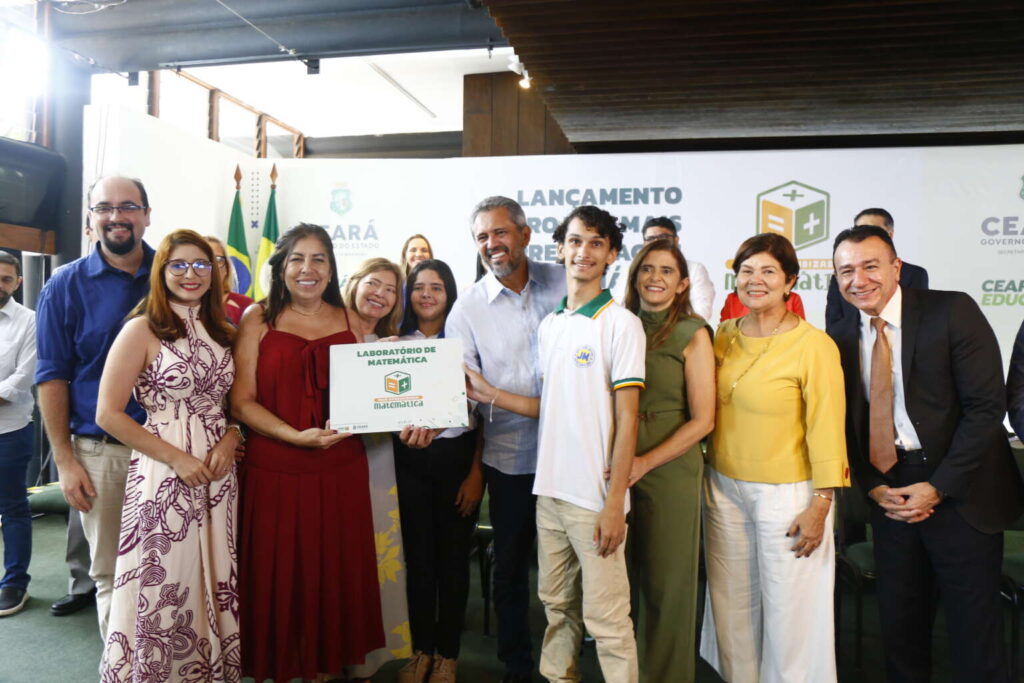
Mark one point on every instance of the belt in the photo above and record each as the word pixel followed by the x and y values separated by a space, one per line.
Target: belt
pixel 905 457
pixel 102 438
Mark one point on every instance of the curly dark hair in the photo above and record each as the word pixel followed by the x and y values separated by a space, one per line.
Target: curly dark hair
pixel 607 225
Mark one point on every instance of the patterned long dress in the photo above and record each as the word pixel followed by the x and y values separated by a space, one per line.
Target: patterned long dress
pixel 174 612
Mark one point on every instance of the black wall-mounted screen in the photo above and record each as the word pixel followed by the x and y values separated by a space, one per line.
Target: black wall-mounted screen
pixel 31 180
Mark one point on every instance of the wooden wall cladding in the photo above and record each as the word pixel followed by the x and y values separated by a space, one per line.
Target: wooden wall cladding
pixel 502 119
pixel 717 69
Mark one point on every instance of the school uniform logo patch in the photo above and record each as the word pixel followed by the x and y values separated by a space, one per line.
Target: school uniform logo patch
pixel 584 357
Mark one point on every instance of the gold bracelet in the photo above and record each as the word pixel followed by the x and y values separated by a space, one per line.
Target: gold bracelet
pixel 238 428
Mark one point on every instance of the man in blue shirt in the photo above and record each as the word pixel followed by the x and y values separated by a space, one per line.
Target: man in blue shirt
pixel 497 321
pixel 80 311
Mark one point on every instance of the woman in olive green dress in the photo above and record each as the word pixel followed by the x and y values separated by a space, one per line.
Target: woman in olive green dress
pixel 677 410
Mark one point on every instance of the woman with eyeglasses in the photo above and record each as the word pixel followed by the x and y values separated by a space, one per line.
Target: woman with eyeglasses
pixel 174 608
pixel 677 410
pixel 440 484
pixel 234 303
pixel 777 456
pixel 309 590
pixel 372 293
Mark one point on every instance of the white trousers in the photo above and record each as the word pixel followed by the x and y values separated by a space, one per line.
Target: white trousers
pixel 579 587
pixel 107 467
pixel 768 616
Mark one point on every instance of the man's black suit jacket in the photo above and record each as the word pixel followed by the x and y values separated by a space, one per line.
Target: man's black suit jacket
pixel 1015 385
pixel 956 399
pixel 836 307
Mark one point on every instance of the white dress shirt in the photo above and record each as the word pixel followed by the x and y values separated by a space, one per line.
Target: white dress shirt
pixel 892 314
pixel 702 290
pixel 498 329
pixel 17 365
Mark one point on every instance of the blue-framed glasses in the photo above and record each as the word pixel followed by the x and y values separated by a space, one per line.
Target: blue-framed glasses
pixel 201 267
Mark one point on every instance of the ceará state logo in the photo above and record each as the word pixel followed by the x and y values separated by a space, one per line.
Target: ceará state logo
pixel 796 211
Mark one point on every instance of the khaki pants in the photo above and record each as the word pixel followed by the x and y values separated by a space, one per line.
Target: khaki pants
pixel 107 467
pixel 579 587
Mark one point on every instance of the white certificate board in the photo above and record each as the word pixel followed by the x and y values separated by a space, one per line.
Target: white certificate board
pixel 384 386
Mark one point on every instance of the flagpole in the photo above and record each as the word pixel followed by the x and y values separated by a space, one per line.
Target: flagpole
pixel 237 244
pixel 268 241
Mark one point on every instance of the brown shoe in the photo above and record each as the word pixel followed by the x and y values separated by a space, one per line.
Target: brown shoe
pixel 444 670
pixel 416 669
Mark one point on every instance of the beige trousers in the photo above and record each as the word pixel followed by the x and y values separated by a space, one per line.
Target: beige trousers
pixel 107 467
pixel 578 587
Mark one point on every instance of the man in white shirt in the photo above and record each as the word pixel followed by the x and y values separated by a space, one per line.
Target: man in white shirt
pixel 17 370
pixel 497 321
pixel 702 290
pixel 592 355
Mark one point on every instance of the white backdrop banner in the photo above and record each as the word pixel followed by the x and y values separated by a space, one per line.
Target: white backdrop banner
pixel 959 210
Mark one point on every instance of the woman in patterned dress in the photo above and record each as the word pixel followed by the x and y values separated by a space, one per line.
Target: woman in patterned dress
pixel 174 611
pixel 309 589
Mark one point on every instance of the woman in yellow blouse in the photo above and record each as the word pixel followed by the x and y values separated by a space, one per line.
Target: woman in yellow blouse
pixel 778 455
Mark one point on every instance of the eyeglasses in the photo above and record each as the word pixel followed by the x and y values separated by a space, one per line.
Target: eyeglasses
pixel 201 267
pixel 106 209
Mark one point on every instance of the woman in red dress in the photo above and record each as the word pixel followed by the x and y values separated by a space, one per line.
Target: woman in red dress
pixel 308 588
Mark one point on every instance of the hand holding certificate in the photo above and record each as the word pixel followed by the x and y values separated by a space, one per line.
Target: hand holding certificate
pixel 386 387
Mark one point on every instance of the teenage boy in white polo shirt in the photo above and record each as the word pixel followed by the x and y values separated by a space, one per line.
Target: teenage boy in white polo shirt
pixel 592 355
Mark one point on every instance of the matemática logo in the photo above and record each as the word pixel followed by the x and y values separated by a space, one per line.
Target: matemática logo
pixel 397 383
pixel 796 211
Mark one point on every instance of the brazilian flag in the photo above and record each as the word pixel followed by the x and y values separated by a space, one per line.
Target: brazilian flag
pixel 266 250
pixel 238 250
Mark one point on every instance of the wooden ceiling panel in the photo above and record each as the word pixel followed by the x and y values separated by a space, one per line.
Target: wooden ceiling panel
pixel 687 69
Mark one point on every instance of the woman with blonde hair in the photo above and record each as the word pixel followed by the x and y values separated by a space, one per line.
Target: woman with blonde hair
pixel 372 295
pixel 175 603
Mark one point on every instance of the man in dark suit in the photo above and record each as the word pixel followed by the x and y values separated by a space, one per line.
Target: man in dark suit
pixel 925 403
pixel 836 307
pixel 1015 386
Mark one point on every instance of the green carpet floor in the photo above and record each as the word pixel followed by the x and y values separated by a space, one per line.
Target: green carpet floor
pixel 38 648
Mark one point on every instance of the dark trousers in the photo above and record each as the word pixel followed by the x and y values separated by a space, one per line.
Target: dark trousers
pixel 15 453
pixel 436 540
pixel 946 553
pixel 514 518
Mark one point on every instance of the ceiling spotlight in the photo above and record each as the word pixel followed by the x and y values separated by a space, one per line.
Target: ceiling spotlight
pixel 514 65
pixel 524 82
pixel 312 66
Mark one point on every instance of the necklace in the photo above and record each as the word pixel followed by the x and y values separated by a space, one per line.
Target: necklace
pixel 732 389
pixel 308 315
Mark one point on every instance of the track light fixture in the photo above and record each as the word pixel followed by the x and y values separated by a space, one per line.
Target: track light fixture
pixel 524 82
